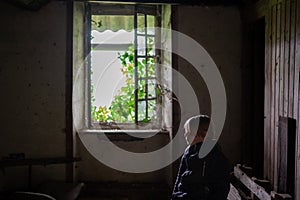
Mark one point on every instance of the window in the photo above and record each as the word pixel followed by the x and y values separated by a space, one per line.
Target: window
pixel 124 66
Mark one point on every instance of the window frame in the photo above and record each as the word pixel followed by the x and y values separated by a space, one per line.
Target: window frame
pixel 125 9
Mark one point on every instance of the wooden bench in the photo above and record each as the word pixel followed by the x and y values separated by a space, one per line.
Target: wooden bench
pixel 252 188
pixel 234 194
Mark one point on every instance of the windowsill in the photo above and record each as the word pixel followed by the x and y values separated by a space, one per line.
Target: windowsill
pixel 127 135
pixel 124 126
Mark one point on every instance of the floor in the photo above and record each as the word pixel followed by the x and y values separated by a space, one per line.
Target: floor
pixel 123 191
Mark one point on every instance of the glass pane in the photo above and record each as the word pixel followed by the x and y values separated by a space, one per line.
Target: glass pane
pixel 142 89
pixel 112 22
pixel 151 46
pixel 141 45
pixel 152 109
pixel 141 23
pixel 151 88
pixel 150 24
pixel 142 111
pixel 141 67
pixel 151 67
pixel 112 53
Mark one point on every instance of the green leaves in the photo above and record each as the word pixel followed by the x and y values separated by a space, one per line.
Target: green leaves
pixel 99 24
pixel 122 108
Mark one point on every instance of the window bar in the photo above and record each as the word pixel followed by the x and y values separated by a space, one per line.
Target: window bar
pixel 146 65
pixel 148 99
pixel 142 56
pixel 149 78
pixel 135 67
pixel 149 35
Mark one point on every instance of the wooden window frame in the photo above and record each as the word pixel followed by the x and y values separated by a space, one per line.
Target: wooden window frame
pixel 135 10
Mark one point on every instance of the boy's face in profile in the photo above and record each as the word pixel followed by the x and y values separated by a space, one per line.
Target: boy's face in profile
pixel 194 135
pixel 189 135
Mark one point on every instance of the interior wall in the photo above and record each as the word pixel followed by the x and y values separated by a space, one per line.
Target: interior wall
pixel 218 30
pixel 282 84
pixel 32 76
pixel 281 99
pixel 90 169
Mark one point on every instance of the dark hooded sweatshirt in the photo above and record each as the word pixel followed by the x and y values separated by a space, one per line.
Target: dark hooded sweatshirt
pixel 202 179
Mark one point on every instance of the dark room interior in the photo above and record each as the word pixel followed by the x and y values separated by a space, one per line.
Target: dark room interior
pixel 71 133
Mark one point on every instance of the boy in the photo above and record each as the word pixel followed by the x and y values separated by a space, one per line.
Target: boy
pixel 201 178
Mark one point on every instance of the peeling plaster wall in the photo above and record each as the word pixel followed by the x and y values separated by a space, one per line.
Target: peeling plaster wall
pixel 32 82
pixel 90 169
pixel 218 30
pixel 32 77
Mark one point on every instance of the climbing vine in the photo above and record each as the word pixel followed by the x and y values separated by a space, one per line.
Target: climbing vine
pixel 122 108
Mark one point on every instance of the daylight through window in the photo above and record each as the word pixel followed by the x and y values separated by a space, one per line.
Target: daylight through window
pixel 124 68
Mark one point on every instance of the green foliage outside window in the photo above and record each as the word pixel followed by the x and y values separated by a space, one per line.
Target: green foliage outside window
pixel 122 108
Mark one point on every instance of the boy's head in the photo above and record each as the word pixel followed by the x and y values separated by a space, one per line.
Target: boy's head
pixel 196 128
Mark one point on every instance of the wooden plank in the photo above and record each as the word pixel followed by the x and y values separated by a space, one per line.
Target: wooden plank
pixel 287 133
pixel 277 196
pixel 233 193
pixel 283 150
pixel 273 92
pixel 297 63
pixel 295 38
pixel 291 156
pixel 295 42
pixel 267 108
pixel 259 191
pixel 291 60
pixel 286 57
pixel 277 92
pixel 282 67
pixel 296 67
